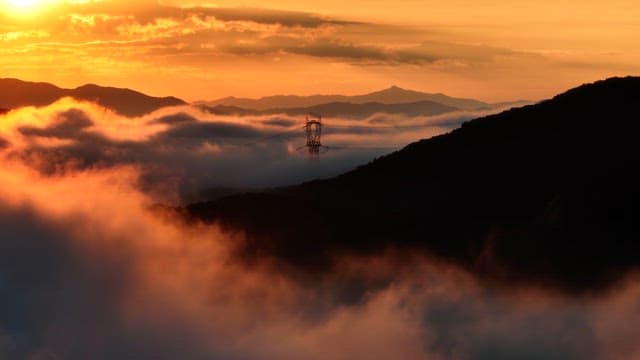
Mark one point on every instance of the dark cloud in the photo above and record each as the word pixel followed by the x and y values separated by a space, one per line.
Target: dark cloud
pixel 148 11
pixel 280 122
pixel 341 50
pixel 424 53
pixel 67 124
pixel 328 48
pixel 4 143
pixel 268 16
pixel 209 131
pixel 174 119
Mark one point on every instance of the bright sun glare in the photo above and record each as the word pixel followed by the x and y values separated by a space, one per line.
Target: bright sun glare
pixel 25 7
pixel 22 3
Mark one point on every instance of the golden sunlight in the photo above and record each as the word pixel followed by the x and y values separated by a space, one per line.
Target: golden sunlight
pixel 26 7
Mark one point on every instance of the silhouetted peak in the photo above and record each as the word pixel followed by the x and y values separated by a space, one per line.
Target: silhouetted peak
pixel 611 88
pixel 93 88
pixel 15 93
pixel 390 95
pixel 17 83
pixel 395 89
pixel 87 86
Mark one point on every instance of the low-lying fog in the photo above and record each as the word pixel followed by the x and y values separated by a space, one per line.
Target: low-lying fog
pixel 191 150
pixel 87 271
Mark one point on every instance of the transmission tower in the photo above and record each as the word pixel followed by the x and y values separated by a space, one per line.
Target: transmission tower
pixel 313 129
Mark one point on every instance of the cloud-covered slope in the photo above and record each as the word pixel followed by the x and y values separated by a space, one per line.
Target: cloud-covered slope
pixel 546 194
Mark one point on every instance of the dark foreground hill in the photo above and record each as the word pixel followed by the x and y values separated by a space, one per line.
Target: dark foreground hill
pixel 16 93
pixel 544 194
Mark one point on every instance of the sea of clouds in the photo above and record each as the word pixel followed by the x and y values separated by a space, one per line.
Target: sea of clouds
pixel 192 150
pixel 90 269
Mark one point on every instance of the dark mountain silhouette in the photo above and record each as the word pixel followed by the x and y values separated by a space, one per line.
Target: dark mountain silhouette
pixel 16 93
pixel 545 194
pixel 232 110
pixel 392 95
pixel 341 109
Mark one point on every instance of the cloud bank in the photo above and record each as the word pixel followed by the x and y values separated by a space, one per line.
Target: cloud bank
pixel 194 151
pixel 94 273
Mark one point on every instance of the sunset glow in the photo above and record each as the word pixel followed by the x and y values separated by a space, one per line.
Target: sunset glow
pixel 319 179
pixel 500 50
pixel 23 8
pixel 22 3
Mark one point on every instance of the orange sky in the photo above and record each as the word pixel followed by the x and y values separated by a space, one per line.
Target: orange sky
pixel 491 50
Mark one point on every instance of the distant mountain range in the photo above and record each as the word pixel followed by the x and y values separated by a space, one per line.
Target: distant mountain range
pixel 16 93
pixel 544 194
pixel 342 109
pixel 392 95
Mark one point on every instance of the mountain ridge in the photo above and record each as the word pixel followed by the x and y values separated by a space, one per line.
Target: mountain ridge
pixel 391 95
pixel 15 93
pixel 343 109
pixel 543 194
